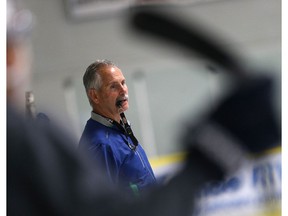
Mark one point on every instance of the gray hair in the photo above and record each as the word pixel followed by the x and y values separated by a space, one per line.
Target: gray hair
pixel 92 78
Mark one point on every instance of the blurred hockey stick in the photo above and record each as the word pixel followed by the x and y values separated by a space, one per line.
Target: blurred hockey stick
pixel 244 121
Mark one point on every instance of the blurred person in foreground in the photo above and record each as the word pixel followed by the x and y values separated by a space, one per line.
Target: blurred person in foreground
pixel 44 175
pixel 106 136
pixel 244 117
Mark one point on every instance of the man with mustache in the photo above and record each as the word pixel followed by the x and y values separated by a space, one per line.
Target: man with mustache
pixel 107 134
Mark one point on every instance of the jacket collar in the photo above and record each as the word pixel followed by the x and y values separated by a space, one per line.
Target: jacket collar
pixel 103 120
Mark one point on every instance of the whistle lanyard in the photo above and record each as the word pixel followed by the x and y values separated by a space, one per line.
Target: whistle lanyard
pixel 124 127
pixel 129 131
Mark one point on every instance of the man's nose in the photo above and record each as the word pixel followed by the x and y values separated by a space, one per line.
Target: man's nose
pixel 123 88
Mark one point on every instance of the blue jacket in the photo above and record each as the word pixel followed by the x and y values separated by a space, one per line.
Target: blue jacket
pixel 109 146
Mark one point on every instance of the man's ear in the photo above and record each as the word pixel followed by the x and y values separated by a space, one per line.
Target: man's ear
pixel 93 95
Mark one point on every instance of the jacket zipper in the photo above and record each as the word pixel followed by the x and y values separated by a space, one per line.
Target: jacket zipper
pixel 140 158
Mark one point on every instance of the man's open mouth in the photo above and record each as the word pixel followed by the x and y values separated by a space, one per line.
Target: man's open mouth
pixel 121 101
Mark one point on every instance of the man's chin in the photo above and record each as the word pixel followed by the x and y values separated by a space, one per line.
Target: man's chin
pixel 125 106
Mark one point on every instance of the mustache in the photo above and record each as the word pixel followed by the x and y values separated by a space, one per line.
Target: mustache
pixel 120 100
